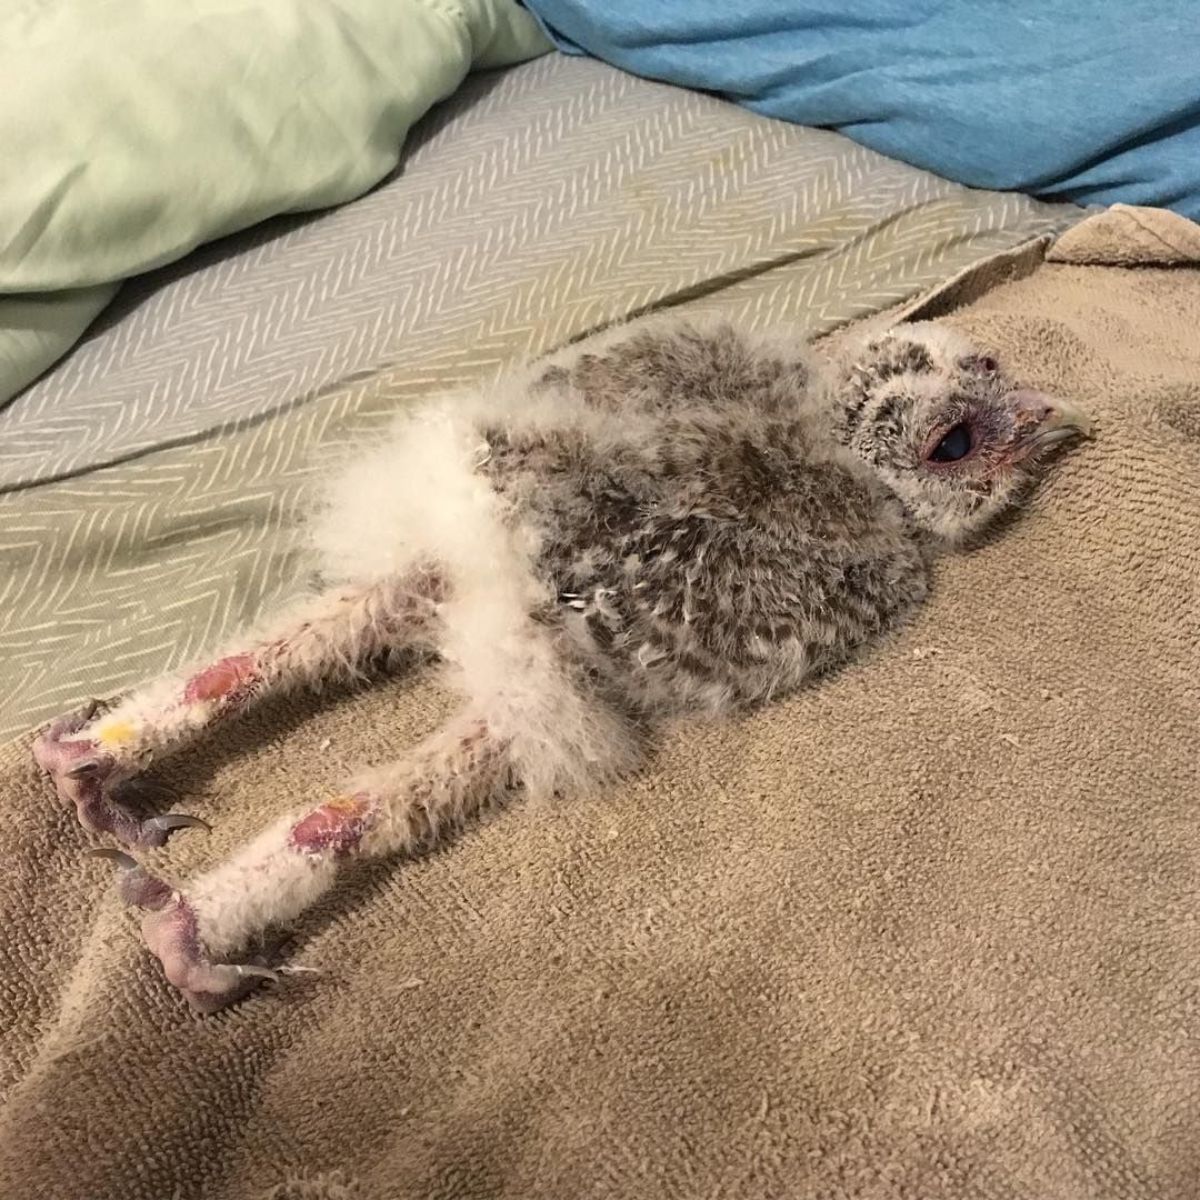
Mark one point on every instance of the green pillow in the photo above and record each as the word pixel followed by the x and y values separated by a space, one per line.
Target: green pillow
pixel 131 131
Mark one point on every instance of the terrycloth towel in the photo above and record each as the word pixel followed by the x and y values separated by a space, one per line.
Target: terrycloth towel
pixel 927 930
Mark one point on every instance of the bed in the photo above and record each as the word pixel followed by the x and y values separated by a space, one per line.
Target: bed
pixel 152 481
pixel 924 930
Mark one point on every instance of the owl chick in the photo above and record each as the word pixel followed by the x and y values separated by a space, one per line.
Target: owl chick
pixel 672 519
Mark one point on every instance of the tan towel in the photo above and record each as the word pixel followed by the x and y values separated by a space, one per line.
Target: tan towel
pixel 1129 236
pixel 929 930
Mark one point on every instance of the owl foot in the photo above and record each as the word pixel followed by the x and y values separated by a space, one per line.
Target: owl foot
pixel 86 776
pixel 171 932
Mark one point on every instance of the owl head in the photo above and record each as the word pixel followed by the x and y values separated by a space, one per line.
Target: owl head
pixel 946 429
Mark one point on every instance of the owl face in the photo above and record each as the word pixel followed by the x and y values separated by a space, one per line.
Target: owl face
pixel 946 429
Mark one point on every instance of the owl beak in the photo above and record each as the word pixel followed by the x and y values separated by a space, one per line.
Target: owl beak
pixel 1044 421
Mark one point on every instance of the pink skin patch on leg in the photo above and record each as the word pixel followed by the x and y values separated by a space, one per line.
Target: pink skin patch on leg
pixel 227 679
pixel 56 756
pixel 336 827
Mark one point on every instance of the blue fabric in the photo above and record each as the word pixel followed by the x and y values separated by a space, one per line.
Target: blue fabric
pixel 1095 102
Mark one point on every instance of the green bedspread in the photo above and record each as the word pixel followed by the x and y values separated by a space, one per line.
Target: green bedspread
pixel 134 130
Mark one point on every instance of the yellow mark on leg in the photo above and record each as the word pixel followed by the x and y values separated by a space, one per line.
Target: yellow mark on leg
pixel 352 805
pixel 115 733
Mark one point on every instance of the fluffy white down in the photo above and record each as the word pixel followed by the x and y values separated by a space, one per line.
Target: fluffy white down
pixel 418 500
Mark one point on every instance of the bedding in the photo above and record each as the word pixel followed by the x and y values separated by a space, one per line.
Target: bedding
pixel 133 130
pixel 150 485
pixel 926 930
pixel 1097 104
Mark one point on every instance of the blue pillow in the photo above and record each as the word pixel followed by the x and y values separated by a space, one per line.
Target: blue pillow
pixel 1095 103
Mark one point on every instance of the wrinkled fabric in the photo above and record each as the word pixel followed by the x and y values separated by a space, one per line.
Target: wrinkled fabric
pixel 1096 103
pixel 132 131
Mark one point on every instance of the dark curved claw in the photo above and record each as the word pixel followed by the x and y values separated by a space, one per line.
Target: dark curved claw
pixel 83 768
pixel 169 821
pixel 136 885
pixel 92 780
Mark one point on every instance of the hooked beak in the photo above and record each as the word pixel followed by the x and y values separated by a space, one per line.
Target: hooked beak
pixel 1044 421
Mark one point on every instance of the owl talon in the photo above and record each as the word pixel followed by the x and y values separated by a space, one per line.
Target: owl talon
pixel 171 931
pixel 84 777
pixel 137 887
pixel 169 822
pixel 89 766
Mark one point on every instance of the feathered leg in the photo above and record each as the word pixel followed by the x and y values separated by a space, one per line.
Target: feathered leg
pixel 535 726
pixel 89 755
pixel 292 863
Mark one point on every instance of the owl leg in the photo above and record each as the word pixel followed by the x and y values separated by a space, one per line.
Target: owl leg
pixel 199 933
pixel 530 722
pixel 90 755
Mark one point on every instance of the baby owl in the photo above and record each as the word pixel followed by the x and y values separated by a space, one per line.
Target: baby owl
pixel 671 519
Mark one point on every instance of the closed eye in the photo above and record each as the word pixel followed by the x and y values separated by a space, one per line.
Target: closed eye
pixel 956 444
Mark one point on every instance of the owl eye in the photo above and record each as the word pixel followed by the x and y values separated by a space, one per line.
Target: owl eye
pixel 955 444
